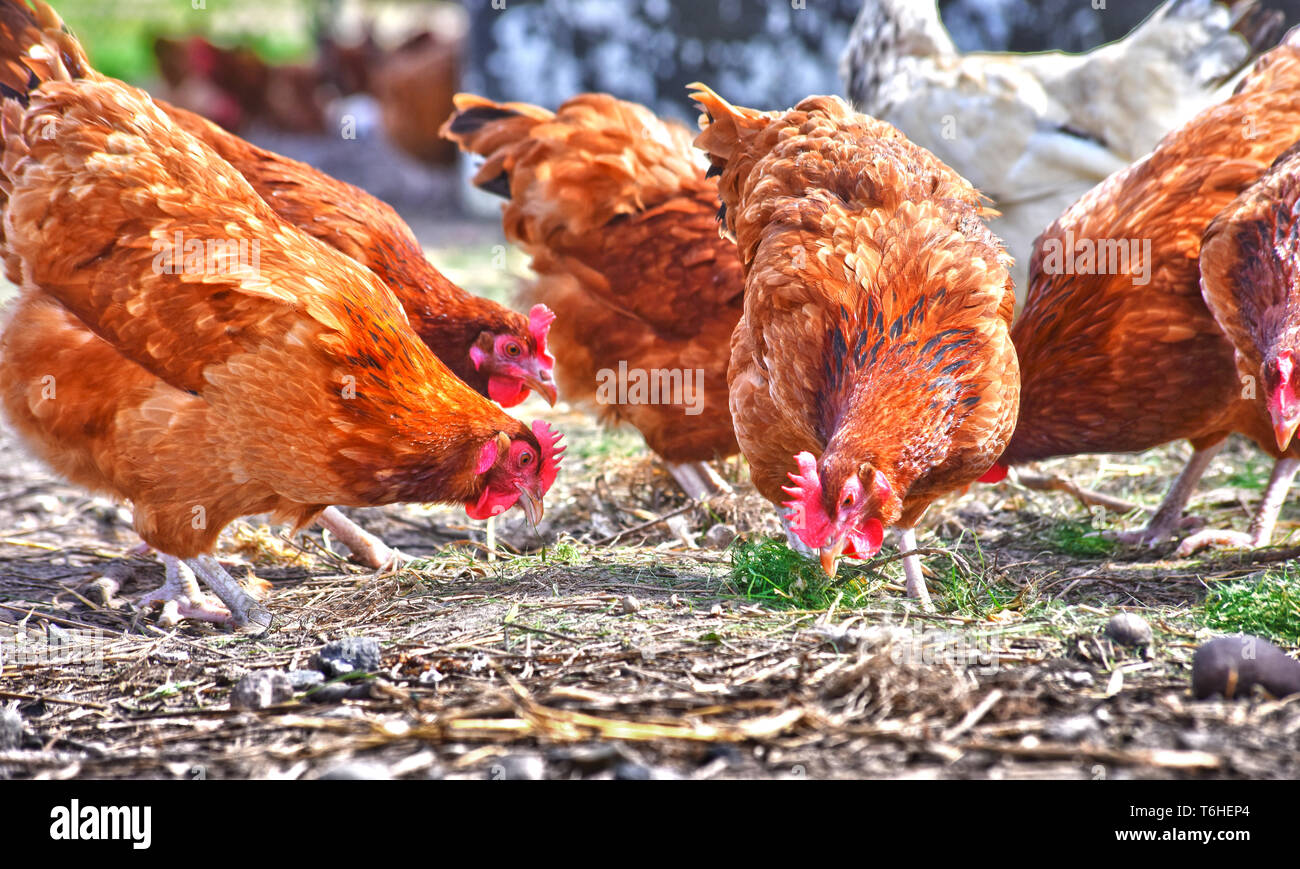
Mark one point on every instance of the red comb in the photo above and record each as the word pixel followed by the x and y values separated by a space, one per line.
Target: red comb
pixel 805 500
pixel 548 439
pixel 540 319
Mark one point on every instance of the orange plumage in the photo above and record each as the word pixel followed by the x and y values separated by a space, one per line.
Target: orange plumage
pixel 618 215
pixel 470 334
pixel 1132 358
pixel 874 344
pixel 205 384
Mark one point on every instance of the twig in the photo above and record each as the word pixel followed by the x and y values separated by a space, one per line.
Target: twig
pixel 1087 497
pixel 973 717
pixel 614 537
pixel 89 704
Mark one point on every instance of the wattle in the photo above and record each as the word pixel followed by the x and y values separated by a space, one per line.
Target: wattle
pixel 505 391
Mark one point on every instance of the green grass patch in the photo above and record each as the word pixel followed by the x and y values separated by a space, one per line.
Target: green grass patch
pixel 772 573
pixel 1078 539
pixel 1253 475
pixel 1268 607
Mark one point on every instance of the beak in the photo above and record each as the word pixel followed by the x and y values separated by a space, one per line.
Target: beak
pixel 1282 430
pixel 543 385
pixel 530 503
pixel 831 557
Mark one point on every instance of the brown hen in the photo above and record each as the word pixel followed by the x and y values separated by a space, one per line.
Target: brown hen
pixel 206 386
pixel 1131 358
pixel 616 210
pixel 873 366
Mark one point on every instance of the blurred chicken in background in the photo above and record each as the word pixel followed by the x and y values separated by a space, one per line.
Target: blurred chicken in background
pixel 1037 131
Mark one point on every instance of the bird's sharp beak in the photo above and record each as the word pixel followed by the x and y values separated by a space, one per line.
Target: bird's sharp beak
pixel 543 387
pixel 831 557
pixel 531 504
pixel 1283 430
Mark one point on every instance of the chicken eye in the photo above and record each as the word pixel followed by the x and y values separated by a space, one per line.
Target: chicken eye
pixel 848 501
pixel 525 459
pixel 512 349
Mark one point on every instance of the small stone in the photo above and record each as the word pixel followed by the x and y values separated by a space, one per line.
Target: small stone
pixel 12 729
pixel 302 680
pixel 260 689
pixel 716 610
pixel 346 655
pixel 1078 677
pixel 720 535
pixel 631 605
pixel 1231 667
pixel 1129 629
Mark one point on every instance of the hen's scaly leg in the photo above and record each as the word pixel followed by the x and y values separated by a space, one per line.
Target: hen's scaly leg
pixel 1170 513
pixel 912 568
pixel 364 546
pixel 181 597
pixel 244 608
pixel 1261 525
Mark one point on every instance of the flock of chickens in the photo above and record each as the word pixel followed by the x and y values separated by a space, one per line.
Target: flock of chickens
pixel 849 305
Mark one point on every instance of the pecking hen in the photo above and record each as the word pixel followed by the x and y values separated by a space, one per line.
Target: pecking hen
pixel 1036 131
pixel 872 371
pixel 499 352
pixel 616 210
pixel 1118 351
pixel 178 344
pixel 1250 262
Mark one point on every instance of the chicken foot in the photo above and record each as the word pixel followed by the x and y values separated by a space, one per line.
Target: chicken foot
pixel 1261 525
pixel 181 597
pixel 1169 515
pixel 364 546
pixel 915 579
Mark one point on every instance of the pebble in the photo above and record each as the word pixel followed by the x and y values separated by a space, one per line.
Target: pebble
pixel 631 604
pixel 1129 629
pixel 346 655
pixel 720 535
pixel 260 689
pixel 1230 667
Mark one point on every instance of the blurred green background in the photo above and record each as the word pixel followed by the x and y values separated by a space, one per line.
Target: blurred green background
pixel 119 33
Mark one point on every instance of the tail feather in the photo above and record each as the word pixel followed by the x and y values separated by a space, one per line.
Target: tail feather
pixel 36 47
pixel 480 126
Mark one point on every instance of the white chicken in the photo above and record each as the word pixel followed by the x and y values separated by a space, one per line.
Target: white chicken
pixel 1034 132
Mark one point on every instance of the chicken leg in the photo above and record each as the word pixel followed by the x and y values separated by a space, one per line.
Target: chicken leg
pixel 181 597
pixel 1261 525
pixel 915 579
pixel 364 546
pixel 1169 514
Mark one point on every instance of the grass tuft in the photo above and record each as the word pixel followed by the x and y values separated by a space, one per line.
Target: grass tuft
pixel 1268 607
pixel 1078 539
pixel 769 571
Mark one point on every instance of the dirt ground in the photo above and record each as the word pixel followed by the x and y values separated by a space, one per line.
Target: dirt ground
pixel 601 645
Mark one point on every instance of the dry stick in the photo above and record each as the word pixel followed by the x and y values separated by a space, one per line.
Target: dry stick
pixel 89 704
pixel 973 717
pixel 1087 497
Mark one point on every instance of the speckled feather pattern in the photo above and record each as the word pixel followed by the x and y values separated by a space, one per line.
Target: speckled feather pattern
pixel 877 302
